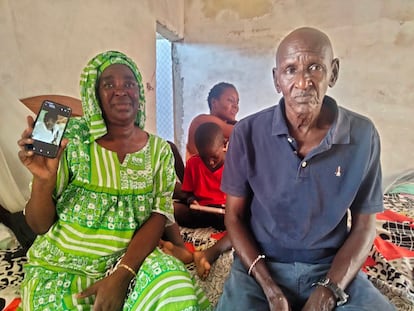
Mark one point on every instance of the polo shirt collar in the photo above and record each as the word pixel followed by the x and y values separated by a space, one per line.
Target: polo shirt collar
pixel 339 133
pixel 279 126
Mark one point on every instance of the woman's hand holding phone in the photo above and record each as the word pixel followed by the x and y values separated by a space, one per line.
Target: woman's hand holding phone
pixel 43 168
pixel 40 210
pixel 41 147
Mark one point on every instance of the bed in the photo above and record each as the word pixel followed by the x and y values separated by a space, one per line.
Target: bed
pixel 390 264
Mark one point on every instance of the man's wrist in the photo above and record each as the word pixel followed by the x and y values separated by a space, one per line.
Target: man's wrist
pixel 339 294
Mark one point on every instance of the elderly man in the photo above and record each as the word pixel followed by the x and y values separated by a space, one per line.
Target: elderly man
pixel 293 172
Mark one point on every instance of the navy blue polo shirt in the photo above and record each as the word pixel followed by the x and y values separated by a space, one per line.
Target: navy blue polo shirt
pixel 299 206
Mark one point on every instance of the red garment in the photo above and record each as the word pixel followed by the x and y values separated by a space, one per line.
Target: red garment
pixel 203 183
pixel 13 305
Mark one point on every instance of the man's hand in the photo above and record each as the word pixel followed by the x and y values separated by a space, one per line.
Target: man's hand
pixel 321 299
pixel 278 303
pixel 275 297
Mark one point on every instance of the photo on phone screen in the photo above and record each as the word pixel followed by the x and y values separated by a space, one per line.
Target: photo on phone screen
pixel 49 127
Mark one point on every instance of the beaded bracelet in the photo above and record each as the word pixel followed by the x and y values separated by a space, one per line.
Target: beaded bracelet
pixel 121 265
pixel 249 272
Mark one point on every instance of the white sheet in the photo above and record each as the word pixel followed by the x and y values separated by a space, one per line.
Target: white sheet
pixel 14 177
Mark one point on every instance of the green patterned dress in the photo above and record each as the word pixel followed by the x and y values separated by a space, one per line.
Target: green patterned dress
pixel 100 204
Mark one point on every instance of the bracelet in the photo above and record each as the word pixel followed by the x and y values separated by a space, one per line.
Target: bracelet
pixel 122 265
pixel 249 272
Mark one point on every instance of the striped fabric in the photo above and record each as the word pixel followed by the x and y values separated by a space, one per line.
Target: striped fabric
pixel 99 209
pixel 166 286
pixel 104 163
pixel 101 203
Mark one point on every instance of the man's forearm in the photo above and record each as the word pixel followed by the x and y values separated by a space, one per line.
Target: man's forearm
pixel 352 255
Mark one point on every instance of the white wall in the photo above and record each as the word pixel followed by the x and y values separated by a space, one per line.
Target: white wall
pixel 45 44
pixel 235 41
pixel 170 18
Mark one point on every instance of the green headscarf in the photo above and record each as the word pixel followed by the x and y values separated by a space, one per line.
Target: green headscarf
pixel 88 86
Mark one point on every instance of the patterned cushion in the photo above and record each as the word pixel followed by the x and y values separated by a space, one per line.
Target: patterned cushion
pixel 392 276
pixel 11 273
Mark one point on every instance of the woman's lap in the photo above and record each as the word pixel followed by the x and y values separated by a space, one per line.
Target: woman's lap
pixel 161 281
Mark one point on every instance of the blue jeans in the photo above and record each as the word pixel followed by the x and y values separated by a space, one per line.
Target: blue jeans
pixel 242 292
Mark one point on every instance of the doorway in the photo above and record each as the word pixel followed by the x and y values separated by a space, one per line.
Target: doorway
pixel 164 89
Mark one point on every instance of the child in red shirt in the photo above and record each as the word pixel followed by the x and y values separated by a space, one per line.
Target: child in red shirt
pixel 202 179
pixel 201 187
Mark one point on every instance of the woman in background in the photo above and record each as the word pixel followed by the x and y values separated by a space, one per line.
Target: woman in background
pixel 223 102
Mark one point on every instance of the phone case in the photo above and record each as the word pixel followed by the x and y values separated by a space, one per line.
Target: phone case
pixel 49 127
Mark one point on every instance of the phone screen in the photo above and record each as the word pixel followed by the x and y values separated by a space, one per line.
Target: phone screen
pixel 49 127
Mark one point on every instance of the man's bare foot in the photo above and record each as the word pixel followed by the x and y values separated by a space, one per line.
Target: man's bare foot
pixel 202 265
pixel 179 252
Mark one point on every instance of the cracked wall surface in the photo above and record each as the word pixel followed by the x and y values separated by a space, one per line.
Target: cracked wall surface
pixel 45 46
pixel 235 41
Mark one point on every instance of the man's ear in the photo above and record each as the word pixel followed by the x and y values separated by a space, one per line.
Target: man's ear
pixel 334 73
pixel 274 74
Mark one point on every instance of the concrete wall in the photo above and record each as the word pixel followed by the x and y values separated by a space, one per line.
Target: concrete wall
pixel 45 44
pixel 170 18
pixel 235 41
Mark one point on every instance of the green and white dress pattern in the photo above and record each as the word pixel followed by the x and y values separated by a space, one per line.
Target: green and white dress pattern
pixel 100 204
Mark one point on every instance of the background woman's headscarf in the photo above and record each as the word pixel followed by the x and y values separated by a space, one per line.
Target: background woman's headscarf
pixel 88 86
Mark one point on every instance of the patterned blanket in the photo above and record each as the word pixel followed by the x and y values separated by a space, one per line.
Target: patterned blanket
pixel 389 265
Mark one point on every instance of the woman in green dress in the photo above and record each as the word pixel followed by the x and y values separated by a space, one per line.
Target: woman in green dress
pixel 101 206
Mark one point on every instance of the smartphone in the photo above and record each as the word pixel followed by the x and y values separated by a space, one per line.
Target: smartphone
pixel 49 127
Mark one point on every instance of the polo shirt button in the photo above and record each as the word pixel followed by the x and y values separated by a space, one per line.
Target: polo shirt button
pixel 304 163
